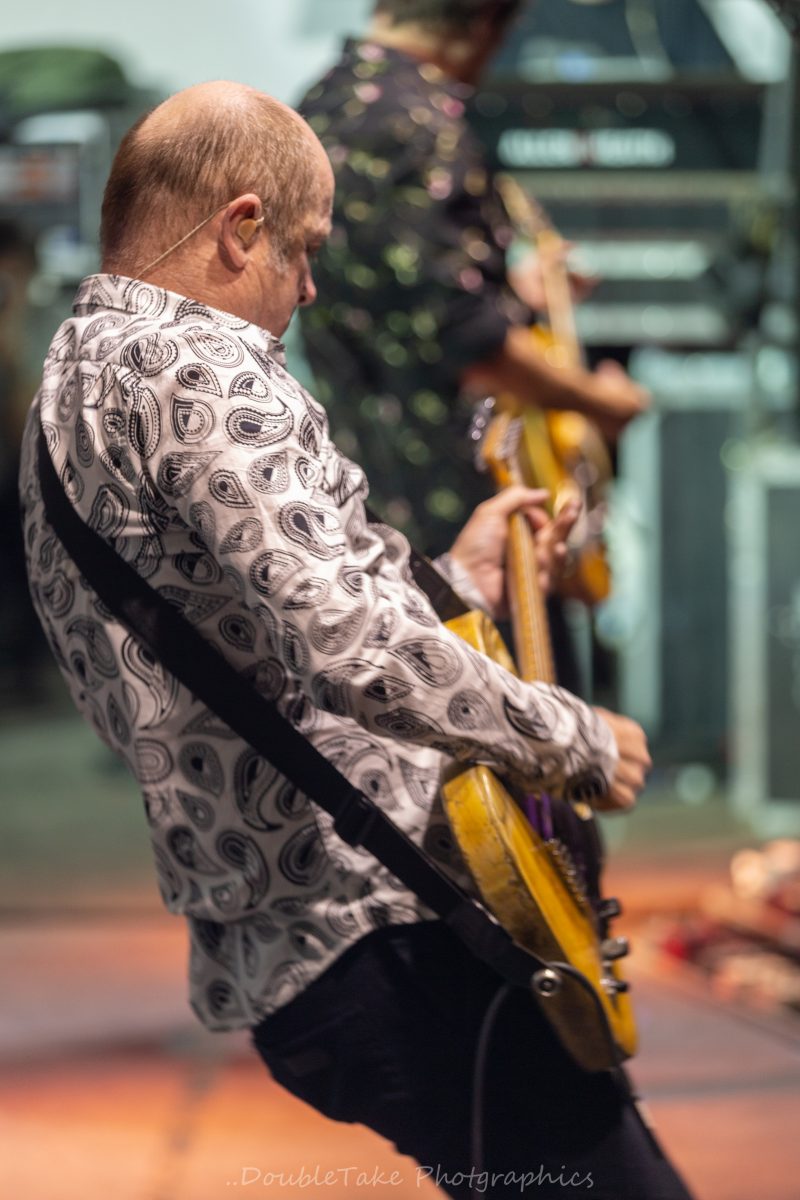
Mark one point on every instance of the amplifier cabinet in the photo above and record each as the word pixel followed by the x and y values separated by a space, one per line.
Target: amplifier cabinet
pixel 668 615
pixel 764 541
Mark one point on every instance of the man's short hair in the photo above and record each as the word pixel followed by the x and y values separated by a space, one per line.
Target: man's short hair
pixel 450 14
pixel 167 183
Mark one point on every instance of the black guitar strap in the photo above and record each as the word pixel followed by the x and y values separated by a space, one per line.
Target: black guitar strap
pixel 196 663
pixel 446 602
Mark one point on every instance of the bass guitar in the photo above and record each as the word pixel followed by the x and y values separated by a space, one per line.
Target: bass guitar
pixel 536 859
pixel 563 451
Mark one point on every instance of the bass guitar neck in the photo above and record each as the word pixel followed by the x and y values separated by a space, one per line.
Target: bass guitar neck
pixel 535 859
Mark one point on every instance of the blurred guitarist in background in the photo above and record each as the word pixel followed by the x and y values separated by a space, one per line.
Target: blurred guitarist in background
pixel 419 308
pixel 416 302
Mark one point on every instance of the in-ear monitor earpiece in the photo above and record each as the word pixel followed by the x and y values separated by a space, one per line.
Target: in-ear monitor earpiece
pixel 248 228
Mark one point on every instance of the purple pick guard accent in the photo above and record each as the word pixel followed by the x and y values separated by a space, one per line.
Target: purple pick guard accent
pixel 539 812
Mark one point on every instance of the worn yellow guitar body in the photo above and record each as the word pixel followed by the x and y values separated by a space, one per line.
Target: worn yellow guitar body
pixel 529 886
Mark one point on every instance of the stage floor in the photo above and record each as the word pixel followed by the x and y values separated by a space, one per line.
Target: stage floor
pixel 109 1090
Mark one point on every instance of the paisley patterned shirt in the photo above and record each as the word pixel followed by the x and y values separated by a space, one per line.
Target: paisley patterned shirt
pixel 411 284
pixel 179 435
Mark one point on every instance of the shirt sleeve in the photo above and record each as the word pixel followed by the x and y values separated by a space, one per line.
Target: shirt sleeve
pixel 461 581
pixel 280 511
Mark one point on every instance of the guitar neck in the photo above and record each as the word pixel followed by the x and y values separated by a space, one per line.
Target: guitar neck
pixel 532 646
pixel 558 297
pixel 533 651
pixel 533 223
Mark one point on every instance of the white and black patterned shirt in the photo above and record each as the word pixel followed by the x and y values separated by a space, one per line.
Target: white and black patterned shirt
pixel 179 436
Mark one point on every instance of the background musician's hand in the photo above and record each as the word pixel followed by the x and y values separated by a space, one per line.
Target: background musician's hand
pixel 634 763
pixel 527 278
pixel 480 548
pixel 612 398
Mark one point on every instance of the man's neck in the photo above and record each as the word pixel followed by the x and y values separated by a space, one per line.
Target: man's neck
pixel 456 57
pixel 200 279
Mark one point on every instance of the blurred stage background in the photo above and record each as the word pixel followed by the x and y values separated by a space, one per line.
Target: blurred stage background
pixel 663 138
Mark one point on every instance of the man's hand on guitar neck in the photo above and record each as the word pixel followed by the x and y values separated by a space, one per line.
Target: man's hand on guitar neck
pixel 632 767
pixel 480 548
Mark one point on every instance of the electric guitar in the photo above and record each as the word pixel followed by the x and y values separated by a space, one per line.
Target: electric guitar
pixel 563 451
pixel 536 859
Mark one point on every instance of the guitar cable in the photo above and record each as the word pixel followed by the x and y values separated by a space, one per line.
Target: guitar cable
pixel 619 1076
pixel 479 1083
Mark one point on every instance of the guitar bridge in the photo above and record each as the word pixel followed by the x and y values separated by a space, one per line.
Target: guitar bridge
pixel 562 856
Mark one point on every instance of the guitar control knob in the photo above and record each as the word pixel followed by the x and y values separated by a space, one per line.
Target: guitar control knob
pixel 614 947
pixel 609 909
pixel 615 987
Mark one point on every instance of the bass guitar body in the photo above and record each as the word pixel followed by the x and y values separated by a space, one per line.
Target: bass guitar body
pixel 535 887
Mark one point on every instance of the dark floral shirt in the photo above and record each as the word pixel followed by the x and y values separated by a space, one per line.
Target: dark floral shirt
pixel 411 285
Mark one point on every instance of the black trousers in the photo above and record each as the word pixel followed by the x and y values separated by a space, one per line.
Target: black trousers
pixel 387 1037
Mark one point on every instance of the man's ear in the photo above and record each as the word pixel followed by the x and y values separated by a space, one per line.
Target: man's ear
pixel 241 223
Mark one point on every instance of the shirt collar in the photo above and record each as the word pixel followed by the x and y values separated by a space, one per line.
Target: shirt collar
pixel 140 299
